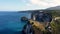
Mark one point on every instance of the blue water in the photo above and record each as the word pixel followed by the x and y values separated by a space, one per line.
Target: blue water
pixel 10 22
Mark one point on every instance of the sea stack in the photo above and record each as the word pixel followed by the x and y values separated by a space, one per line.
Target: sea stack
pixel 24 19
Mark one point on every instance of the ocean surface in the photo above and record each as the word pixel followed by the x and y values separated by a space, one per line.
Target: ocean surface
pixel 10 22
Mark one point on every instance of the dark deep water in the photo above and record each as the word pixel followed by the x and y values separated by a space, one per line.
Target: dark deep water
pixel 10 22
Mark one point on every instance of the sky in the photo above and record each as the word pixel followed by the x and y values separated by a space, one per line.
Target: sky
pixel 21 5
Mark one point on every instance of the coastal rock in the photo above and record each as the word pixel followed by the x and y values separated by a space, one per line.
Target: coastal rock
pixel 24 19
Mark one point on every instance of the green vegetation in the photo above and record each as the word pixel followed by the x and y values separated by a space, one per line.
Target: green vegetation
pixel 55 24
pixel 55 27
pixel 55 13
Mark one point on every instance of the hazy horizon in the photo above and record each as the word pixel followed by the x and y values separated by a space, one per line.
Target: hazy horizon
pixel 22 5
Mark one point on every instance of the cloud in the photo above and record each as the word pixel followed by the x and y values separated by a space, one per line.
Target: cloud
pixel 45 3
pixel 29 6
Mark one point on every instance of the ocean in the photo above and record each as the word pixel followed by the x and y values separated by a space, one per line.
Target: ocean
pixel 10 22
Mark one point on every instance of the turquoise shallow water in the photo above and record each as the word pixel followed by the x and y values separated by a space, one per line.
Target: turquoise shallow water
pixel 10 21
